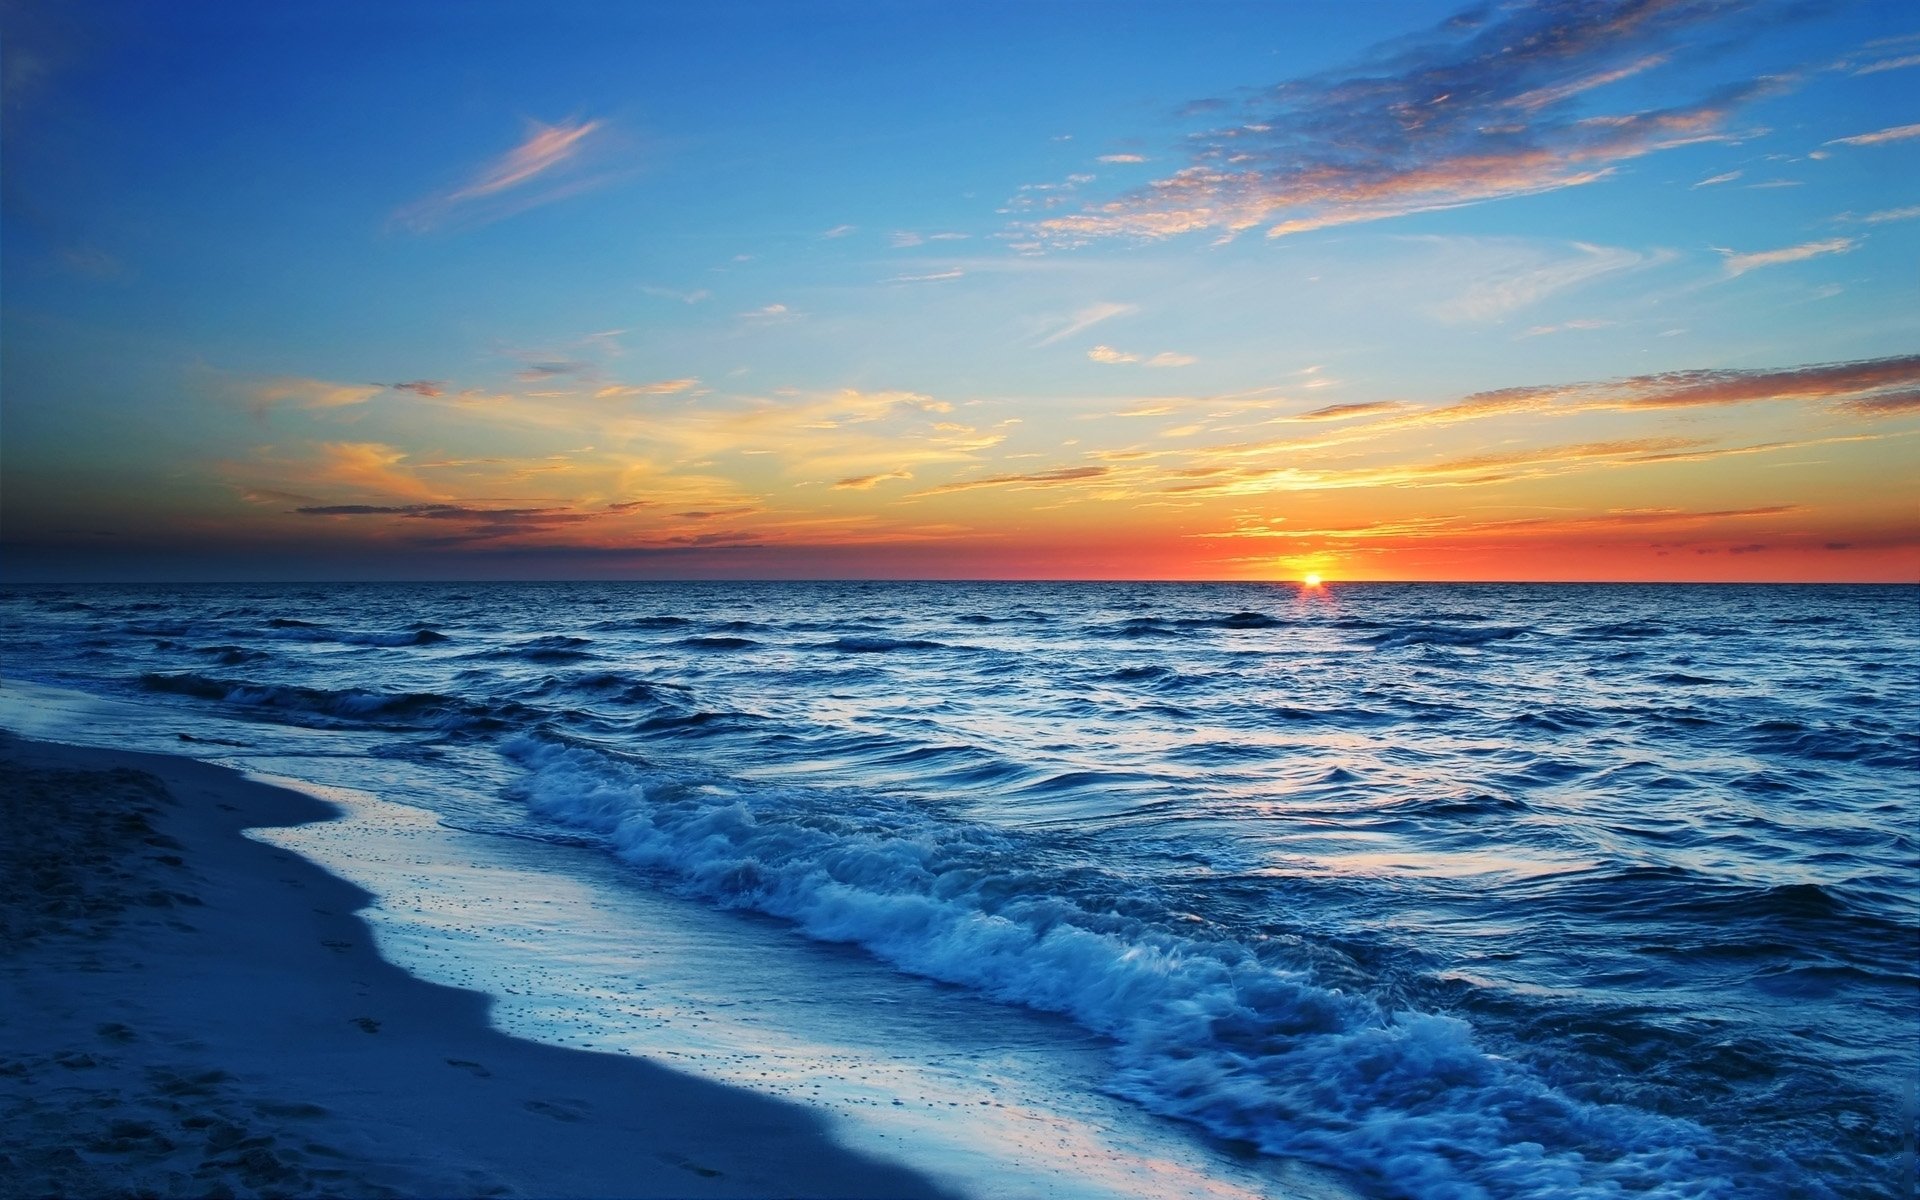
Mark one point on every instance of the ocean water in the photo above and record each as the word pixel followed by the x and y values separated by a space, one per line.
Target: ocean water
pixel 1439 890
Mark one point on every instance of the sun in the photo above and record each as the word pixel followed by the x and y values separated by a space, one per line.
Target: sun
pixel 1311 579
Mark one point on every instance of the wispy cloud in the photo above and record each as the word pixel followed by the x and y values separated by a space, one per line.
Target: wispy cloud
pixel 1885 215
pixel 1578 324
pixel 545 148
pixel 660 387
pixel 769 313
pixel 1495 276
pixel 839 231
pixel 313 393
pixel 1899 133
pixel 862 483
pixel 1889 64
pixel 540 170
pixel 1494 103
pixel 906 239
pixel 1054 478
pixel 443 512
pixel 930 277
pixel 1166 358
pixel 1086 318
pixel 1419 528
pixel 1045 197
pixel 553 368
pixel 1842 383
pixel 1477 470
pixel 470 524
pixel 369 468
pixel 1122 158
pixel 1347 412
pixel 1729 177
pixel 1740 264
pixel 1864 389
pixel 688 297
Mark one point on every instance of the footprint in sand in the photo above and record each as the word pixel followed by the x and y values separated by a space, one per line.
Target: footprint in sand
pixel 467 1064
pixel 297 1109
pixel 366 1023
pixel 687 1164
pixel 559 1112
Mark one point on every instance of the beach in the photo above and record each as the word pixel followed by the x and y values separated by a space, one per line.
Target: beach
pixel 1240 892
pixel 187 1011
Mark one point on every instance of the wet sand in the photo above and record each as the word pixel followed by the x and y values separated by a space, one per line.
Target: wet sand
pixel 187 1011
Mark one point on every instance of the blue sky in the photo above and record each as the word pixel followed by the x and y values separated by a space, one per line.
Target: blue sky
pixel 1087 289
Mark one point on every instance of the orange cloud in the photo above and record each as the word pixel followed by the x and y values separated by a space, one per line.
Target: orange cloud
pixel 369 468
pixel 310 393
pixel 663 387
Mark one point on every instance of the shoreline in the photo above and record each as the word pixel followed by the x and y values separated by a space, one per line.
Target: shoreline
pixel 188 1011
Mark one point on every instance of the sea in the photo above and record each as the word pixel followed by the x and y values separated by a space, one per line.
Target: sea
pixel 1102 889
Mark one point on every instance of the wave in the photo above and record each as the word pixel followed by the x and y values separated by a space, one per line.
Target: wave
pixel 1621 630
pixel 1894 750
pixel 289 628
pixel 643 624
pixel 1234 620
pixel 552 648
pixel 1204 1029
pixel 361 705
pixel 622 688
pixel 1444 635
pixel 878 645
pixel 1140 627
pixel 233 656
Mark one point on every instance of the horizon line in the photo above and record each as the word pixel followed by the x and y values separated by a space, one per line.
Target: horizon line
pixel 1323 584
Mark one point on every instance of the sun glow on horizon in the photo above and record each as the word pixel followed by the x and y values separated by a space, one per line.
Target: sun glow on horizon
pixel 1310 579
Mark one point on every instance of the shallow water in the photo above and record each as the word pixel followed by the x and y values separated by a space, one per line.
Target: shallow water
pixel 1488 890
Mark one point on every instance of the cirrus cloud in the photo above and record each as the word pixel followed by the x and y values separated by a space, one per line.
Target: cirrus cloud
pixel 1496 102
pixel 543 168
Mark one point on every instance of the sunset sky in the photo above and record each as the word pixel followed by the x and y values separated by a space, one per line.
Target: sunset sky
pixel 977 290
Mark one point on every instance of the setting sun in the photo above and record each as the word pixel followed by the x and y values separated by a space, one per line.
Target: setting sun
pixel 1311 580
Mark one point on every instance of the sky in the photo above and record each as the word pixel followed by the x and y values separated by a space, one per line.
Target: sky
pixel 913 289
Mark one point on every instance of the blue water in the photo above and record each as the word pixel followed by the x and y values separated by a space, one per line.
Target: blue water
pixel 1460 891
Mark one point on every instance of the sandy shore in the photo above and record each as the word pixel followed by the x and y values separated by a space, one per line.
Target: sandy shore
pixel 186 1011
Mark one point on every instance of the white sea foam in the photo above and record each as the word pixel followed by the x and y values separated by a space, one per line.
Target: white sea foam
pixel 1204 1030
